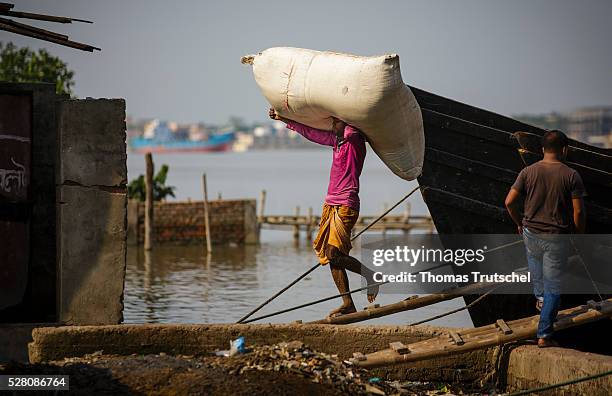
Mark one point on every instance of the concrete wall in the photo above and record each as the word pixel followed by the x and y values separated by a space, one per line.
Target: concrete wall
pixel 231 221
pixel 91 218
pixel 55 344
pixel 531 367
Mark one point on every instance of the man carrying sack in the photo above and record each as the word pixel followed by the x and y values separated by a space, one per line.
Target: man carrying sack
pixel 341 207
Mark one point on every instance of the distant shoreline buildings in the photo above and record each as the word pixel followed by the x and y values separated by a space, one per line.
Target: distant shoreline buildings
pixel 592 125
pixel 163 136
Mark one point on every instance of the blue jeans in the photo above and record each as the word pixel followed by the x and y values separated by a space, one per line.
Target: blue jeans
pixel 546 257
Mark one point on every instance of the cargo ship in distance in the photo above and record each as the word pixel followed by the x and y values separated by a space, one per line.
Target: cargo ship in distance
pixel 160 139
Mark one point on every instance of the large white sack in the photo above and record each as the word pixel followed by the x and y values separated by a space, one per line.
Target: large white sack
pixel 367 92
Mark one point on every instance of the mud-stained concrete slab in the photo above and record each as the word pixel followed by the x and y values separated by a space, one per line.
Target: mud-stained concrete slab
pixel 73 341
pixel 14 340
pixel 532 367
pixel 516 368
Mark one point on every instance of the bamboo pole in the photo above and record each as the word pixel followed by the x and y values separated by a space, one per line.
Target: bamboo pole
pixel 206 215
pixel 149 205
pixel 522 329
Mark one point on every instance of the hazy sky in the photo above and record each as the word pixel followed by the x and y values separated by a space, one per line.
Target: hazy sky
pixel 181 60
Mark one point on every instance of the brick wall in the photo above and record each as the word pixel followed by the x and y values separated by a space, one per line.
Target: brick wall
pixel 230 221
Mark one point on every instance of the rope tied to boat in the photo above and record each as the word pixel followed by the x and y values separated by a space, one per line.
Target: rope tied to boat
pixel 452 311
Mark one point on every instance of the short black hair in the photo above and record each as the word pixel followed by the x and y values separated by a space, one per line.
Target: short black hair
pixel 554 141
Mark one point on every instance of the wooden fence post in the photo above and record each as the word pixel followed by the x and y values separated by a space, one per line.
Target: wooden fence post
pixel 296 227
pixel 309 225
pixel 262 204
pixel 149 205
pixel 206 215
pixel 406 218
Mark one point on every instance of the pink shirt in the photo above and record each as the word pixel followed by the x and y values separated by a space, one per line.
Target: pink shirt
pixel 347 163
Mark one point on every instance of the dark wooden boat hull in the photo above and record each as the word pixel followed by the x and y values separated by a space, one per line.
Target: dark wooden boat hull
pixel 472 158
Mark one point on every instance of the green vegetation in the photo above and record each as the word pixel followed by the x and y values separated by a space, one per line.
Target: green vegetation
pixel 137 189
pixel 25 65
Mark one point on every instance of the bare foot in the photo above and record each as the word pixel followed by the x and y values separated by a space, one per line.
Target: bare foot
pixel 342 310
pixel 547 343
pixel 372 293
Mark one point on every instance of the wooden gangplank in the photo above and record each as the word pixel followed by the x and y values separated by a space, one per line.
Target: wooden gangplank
pixel 410 303
pixel 461 341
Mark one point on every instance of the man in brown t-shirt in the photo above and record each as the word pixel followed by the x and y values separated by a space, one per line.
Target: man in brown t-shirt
pixel 554 206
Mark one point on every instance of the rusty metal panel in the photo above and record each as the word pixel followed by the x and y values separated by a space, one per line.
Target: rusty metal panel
pixel 15 171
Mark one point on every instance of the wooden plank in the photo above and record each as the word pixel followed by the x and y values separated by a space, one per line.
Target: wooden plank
pixel 66 43
pixel 594 305
pixel 399 347
pixel 456 337
pixel 485 337
pixel 503 326
pixel 359 356
pixel 34 29
pixel 42 17
pixel 406 305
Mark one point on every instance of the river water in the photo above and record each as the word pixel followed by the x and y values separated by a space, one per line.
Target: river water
pixel 179 284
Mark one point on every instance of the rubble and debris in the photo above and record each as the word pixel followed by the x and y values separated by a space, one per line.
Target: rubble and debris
pixel 290 368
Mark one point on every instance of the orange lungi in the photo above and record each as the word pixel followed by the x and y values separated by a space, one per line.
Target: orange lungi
pixel 335 227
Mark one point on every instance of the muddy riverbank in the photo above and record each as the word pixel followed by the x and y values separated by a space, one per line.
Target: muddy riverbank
pixel 282 369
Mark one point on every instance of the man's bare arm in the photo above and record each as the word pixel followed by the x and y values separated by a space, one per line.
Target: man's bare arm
pixel 512 200
pixel 579 215
pixel 315 135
